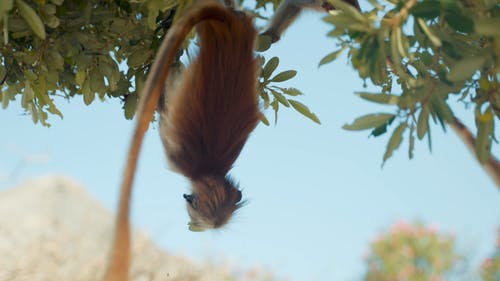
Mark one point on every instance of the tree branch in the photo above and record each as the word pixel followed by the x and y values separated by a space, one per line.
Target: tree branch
pixel 492 166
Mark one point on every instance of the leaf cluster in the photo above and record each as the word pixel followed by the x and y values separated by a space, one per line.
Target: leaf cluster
pixel 423 55
pixel 73 48
pixel 92 49
pixel 276 96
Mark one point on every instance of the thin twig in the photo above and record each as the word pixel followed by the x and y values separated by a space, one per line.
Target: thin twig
pixel 492 166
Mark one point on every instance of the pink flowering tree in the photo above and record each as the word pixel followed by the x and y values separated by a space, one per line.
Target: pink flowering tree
pixel 490 269
pixel 411 252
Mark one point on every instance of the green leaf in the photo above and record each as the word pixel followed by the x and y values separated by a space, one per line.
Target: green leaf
pixel 97 81
pixel 34 112
pixel 88 94
pixel 5 99
pixel 369 121
pixel 395 141
pixel 263 43
pixel 52 21
pixel 340 21
pixel 426 9
pixel 275 106
pixel 53 109
pixel 111 73
pixel 56 60
pixel 348 10
pixel 442 109
pixel 265 97
pixel 49 9
pixel 283 76
pixel 28 95
pixel 30 75
pixel 379 131
pixel 426 58
pixel 376 4
pixel 124 5
pixel 433 38
pixel 402 42
pixel 155 6
pixel 485 128
pixel 43 118
pixel 411 146
pixel 6 6
pixel 382 129
pixel 375 57
pixel 379 98
pixel 279 97
pixel 265 121
pixel 488 26
pixel 57 2
pixel 84 62
pixel 31 18
pixel 270 67
pixel 80 77
pixel 450 50
pixel 332 56
pixel 291 91
pixel 5 29
pixel 130 105
pixel 138 58
pixel 151 20
pixel 304 110
pixel 423 122
pixel 464 69
pixel 459 21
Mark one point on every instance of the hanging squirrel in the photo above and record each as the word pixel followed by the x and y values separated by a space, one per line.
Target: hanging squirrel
pixel 204 122
pixel 206 118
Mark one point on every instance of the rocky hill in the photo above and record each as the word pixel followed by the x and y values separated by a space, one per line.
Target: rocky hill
pixel 51 229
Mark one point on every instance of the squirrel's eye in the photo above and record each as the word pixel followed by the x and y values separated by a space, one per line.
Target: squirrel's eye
pixel 238 198
pixel 191 199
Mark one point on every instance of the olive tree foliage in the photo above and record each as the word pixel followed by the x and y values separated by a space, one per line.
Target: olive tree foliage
pixel 97 49
pixel 423 56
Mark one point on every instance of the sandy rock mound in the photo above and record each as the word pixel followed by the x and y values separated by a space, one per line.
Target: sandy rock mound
pixel 51 229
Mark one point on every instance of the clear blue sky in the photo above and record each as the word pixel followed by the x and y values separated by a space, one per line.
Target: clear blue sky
pixel 317 194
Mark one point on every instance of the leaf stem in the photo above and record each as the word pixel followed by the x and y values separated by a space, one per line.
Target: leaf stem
pixel 403 14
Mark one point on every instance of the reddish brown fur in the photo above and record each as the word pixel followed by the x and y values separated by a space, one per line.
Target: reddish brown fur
pixel 211 114
pixel 216 200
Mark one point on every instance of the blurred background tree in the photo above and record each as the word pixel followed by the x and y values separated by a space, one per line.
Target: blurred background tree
pixel 424 56
pixel 411 252
pixel 490 269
